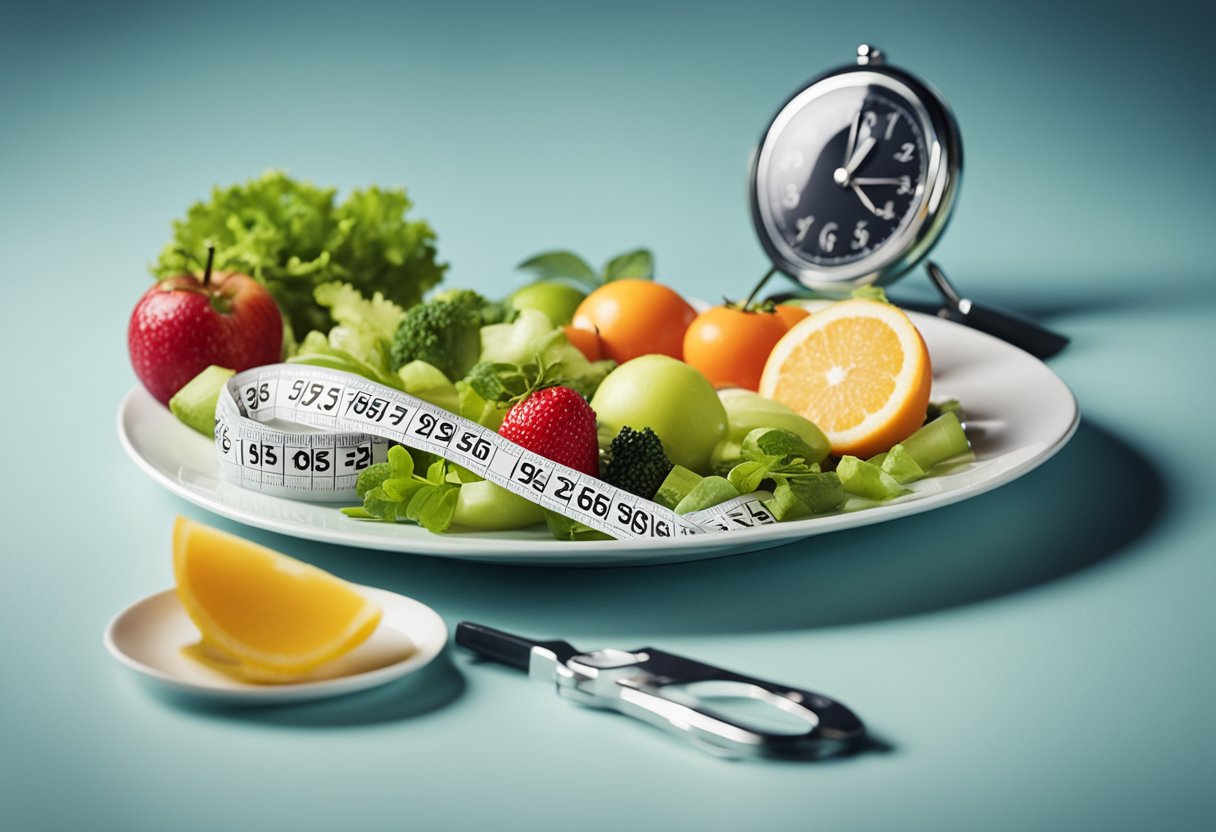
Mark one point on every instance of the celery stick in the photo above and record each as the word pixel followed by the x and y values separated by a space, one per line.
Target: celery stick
pixel 938 441
pixel 864 479
pixel 899 464
pixel 676 486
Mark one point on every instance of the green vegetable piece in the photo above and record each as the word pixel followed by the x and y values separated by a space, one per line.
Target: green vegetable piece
pixel 747 411
pixel 785 444
pixel 636 462
pixel 785 506
pixel 195 403
pixel 371 477
pixel 899 464
pixel 444 333
pixel 818 492
pixel 747 476
pixel 428 383
pixel 436 511
pixel 864 479
pixel 291 236
pixel 488 414
pixel 709 492
pixel 563 528
pixel 676 485
pixel 940 440
pixel 870 293
pixel 936 409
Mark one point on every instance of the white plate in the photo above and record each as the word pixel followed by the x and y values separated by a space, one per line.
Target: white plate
pixel 1019 413
pixel 151 637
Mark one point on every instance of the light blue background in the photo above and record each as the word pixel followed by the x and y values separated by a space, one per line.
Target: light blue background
pixel 1038 657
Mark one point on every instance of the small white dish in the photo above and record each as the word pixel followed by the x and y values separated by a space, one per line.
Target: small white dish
pixel 153 637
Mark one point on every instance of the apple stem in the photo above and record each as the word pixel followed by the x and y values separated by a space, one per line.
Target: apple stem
pixel 747 304
pixel 210 262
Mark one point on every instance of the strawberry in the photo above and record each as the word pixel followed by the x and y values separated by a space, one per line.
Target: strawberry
pixel 558 424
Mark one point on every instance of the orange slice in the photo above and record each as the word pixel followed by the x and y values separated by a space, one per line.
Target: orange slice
pixel 276 616
pixel 859 370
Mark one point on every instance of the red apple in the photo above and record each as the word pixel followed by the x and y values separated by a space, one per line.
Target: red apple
pixel 184 324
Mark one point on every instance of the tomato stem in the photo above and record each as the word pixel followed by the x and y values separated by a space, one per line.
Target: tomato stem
pixel 747 304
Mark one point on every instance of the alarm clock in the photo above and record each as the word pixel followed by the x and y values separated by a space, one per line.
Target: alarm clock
pixel 854 178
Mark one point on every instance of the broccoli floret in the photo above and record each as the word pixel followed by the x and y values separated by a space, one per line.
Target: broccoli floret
pixel 637 463
pixel 444 332
pixel 491 311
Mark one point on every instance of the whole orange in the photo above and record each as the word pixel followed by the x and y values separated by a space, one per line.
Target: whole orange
pixel 635 318
pixel 730 346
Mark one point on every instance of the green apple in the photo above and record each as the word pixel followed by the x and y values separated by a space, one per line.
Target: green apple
pixel 557 300
pixel 746 411
pixel 668 396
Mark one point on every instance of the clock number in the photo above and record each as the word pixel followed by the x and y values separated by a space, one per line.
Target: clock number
pixel 792 195
pixel 888 210
pixel 905 152
pixel 860 236
pixel 905 185
pixel 891 119
pixel 868 120
pixel 804 226
pixel 827 237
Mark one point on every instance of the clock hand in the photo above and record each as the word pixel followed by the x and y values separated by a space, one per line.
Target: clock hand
pixel 842 176
pixel 848 151
pixel 860 155
pixel 880 181
pixel 865 200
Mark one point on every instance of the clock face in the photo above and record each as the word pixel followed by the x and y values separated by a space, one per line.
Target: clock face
pixel 843 173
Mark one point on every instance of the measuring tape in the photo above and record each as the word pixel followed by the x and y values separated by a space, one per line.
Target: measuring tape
pixel 349 423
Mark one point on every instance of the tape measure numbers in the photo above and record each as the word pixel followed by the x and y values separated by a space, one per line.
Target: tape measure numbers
pixel 305 433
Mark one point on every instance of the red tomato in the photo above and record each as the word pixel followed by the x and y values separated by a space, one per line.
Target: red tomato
pixel 730 346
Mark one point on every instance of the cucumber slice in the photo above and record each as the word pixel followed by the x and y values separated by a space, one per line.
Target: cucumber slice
pixel 195 403
pixel 865 479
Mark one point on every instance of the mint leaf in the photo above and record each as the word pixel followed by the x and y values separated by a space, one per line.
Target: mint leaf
pixel 747 476
pixel 378 504
pixel 637 264
pixel 436 513
pixel 558 265
pixel 400 462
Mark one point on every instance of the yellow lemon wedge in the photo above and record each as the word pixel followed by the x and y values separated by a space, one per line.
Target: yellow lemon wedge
pixel 859 369
pixel 276 616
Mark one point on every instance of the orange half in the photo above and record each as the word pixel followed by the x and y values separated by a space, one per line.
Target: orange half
pixel 859 370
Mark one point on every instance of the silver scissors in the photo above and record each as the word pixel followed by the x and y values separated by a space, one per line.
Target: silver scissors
pixel 679 695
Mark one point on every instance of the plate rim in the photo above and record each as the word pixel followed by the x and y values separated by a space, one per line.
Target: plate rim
pixel 471 546
pixel 425 653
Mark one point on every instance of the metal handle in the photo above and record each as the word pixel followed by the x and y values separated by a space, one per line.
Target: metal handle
pixel 685 697
pixel 1022 333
